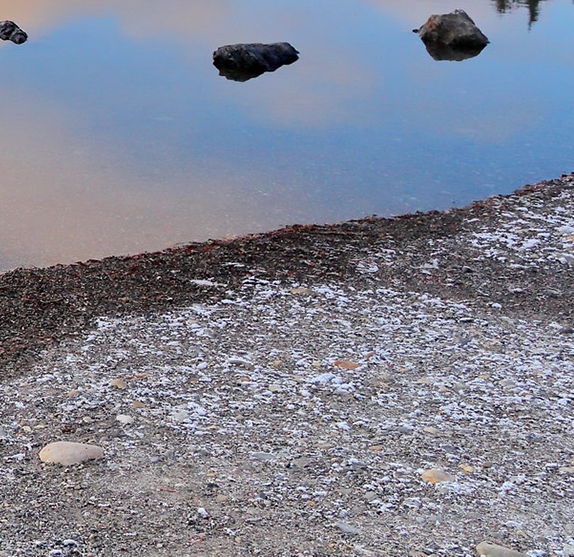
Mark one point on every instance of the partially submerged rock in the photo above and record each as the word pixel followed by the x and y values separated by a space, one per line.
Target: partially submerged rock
pixel 9 31
pixel 452 36
pixel 241 62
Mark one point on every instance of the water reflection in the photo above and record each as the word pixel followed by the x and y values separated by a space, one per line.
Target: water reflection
pixel 123 138
pixel 533 7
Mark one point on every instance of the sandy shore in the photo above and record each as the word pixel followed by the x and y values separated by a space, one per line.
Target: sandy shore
pixel 293 393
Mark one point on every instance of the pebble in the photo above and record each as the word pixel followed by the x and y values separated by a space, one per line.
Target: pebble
pixel 67 452
pixel 346 528
pixel 346 364
pixel 203 513
pixel 302 291
pixel 119 383
pixel 124 419
pixel 486 549
pixel 301 462
pixel 263 457
pixel 246 364
pixel 436 475
pixel 180 415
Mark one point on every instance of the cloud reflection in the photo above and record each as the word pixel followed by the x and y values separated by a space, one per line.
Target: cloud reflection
pixel 80 199
pixel 126 139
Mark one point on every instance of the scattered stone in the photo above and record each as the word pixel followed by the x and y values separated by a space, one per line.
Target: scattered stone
pixel 9 31
pixel 274 388
pixel 180 415
pixel 241 62
pixel 452 36
pixel 436 475
pixel 346 364
pixel 206 283
pixel 301 291
pixel 203 513
pixel 119 383
pixel 68 452
pixel 124 419
pixel 347 528
pixel 486 549
pixel 301 462
pixel 263 457
pixel 246 364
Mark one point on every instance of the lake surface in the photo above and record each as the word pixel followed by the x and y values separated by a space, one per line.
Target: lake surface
pixel 119 135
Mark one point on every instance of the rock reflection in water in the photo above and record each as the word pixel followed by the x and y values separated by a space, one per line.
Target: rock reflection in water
pixel 452 36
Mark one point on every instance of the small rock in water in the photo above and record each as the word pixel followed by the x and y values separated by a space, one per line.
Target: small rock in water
pixel 9 31
pixel 241 62
pixel 452 36
pixel 435 476
pixel 67 452
pixel 486 549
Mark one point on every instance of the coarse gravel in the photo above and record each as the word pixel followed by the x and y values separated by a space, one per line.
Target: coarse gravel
pixel 291 394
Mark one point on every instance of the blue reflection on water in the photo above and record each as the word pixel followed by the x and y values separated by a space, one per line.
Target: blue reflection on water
pixel 364 123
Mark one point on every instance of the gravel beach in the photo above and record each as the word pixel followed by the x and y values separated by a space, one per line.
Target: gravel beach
pixel 381 387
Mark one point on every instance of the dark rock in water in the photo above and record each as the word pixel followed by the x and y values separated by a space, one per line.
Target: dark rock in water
pixel 9 31
pixel 241 62
pixel 452 36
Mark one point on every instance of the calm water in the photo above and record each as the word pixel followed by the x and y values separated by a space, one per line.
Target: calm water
pixel 119 136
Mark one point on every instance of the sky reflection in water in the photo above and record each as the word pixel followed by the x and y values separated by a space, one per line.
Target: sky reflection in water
pixel 119 135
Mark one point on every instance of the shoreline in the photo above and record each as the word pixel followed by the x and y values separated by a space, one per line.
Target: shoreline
pixel 374 388
pixel 40 307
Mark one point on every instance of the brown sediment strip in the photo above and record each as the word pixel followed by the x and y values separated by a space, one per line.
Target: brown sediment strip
pixel 39 307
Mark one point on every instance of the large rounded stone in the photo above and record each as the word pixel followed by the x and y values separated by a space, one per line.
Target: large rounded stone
pixel 67 452
pixel 486 549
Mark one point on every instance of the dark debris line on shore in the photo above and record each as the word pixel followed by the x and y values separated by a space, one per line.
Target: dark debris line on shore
pixel 39 307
